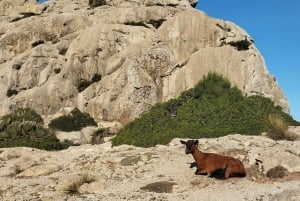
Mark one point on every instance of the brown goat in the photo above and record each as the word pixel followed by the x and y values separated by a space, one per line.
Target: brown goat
pixel 209 163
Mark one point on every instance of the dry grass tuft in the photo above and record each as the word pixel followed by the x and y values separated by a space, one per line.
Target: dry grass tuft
pixel 74 187
pixel 278 128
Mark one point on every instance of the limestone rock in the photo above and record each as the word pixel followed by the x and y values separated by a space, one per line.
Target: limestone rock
pixel 10 8
pixel 74 137
pixel 294 132
pixel 97 187
pixel 117 60
pixel 87 134
pixel 164 172
pixel 39 170
pixel 96 135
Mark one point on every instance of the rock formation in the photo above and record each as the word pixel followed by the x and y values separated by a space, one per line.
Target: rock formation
pixel 117 60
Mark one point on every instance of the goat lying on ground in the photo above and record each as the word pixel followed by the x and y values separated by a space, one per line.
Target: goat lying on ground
pixel 209 163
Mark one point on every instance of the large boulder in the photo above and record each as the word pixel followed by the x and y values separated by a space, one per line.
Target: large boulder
pixel 116 60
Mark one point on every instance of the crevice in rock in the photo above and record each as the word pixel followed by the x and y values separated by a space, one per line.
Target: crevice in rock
pixel 17 66
pixel 24 15
pixel 142 24
pixel 83 84
pixel 174 5
pixel 96 78
pixel 225 28
pixel 11 92
pixel 45 9
pixel 149 4
pixel 293 153
pixel 156 23
pixel 36 43
pixel 62 51
pixel 57 70
pixel 179 65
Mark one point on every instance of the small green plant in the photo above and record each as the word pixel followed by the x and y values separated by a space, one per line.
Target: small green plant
pixel 212 109
pixel 241 45
pixel 73 122
pixel 24 127
pixel 96 3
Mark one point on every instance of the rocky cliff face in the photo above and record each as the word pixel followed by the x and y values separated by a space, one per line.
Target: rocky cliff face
pixel 117 60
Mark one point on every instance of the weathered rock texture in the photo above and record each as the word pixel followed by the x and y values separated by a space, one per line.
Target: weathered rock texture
pixel 102 172
pixel 117 60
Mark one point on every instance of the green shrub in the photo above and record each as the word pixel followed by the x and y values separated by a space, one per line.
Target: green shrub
pixel 213 108
pixel 24 127
pixel 73 122
pixel 96 3
pixel 20 114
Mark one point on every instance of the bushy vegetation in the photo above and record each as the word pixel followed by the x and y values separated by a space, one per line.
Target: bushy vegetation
pixel 277 127
pixel 24 127
pixel 212 109
pixel 96 3
pixel 73 122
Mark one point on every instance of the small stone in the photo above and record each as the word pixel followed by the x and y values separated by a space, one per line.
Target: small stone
pixel 277 172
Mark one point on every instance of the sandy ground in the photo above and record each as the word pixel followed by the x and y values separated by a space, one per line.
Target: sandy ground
pixel 102 172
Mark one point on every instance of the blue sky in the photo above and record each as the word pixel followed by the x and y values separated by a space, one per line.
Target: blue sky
pixel 275 27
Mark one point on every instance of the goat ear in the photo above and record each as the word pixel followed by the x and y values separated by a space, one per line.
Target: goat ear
pixel 196 142
pixel 182 142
